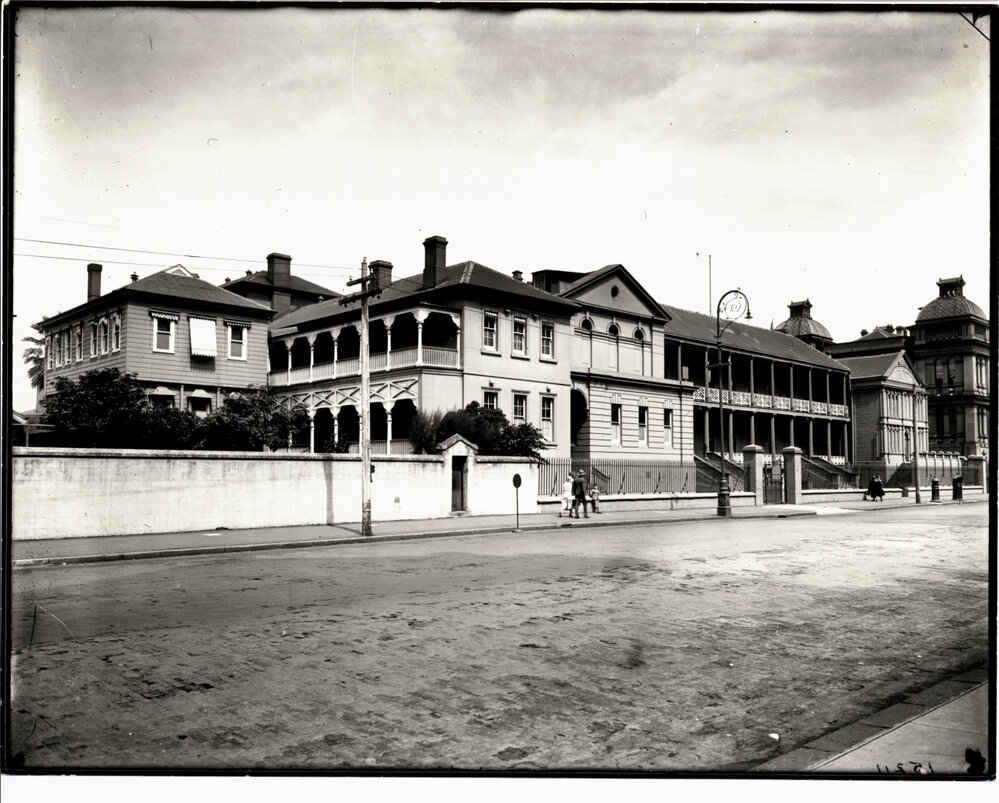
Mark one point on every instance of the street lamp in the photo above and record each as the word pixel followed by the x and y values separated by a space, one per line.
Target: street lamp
pixel 733 305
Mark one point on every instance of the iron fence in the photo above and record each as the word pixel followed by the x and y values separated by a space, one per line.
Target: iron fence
pixel 618 476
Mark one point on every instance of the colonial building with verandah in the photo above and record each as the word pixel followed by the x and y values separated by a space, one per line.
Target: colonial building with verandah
pixel 437 341
pixel 777 391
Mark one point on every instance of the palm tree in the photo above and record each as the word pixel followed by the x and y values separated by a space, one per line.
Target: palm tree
pixel 34 357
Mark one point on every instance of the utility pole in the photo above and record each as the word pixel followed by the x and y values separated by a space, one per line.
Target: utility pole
pixel 915 443
pixel 369 287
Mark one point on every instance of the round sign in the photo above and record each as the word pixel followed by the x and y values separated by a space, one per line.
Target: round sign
pixel 516 480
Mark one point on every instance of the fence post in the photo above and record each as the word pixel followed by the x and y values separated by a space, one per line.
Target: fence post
pixel 792 475
pixel 752 456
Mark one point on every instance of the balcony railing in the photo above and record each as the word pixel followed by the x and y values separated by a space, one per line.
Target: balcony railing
pixel 433 357
pixel 764 401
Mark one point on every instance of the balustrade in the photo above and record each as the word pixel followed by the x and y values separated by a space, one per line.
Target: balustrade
pixel 433 356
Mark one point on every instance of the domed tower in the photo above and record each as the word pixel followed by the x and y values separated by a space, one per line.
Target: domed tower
pixel 803 326
pixel 951 351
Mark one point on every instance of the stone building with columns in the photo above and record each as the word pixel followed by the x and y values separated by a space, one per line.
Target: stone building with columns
pixel 437 341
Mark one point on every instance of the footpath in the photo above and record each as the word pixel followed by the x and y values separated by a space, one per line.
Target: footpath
pixel 943 731
pixel 205 542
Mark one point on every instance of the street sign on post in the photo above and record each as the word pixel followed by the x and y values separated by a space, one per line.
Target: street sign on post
pixel 516 485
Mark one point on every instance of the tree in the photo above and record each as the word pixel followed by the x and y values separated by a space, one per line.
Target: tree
pixel 423 430
pixel 169 428
pixel 486 427
pixel 104 408
pixel 34 357
pixel 251 420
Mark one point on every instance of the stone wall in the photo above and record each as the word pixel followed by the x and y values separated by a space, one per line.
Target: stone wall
pixel 66 493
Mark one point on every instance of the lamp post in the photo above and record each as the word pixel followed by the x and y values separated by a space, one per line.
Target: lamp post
pixel 733 305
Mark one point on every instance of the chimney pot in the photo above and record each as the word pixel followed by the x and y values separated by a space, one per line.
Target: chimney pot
pixel 135 277
pixel 435 260
pixel 518 275
pixel 93 281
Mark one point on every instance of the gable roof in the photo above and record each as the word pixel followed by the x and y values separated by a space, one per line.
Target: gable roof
pixel 174 285
pixel 595 277
pixel 464 280
pixel 877 366
pixel 295 283
pixel 689 325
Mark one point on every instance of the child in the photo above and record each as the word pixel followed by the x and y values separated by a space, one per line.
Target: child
pixel 566 496
pixel 595 497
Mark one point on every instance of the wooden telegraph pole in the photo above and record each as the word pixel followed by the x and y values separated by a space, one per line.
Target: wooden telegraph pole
pixel 369 287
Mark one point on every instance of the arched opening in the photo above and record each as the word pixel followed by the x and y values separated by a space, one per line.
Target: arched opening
pixel 579 414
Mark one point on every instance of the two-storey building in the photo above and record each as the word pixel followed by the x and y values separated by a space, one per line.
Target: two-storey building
pixel 188 342
pixel 624 406
pixel 437 341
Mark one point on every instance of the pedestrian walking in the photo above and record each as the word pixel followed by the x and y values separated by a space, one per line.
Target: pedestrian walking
pixel 579 495
pixel 595 497
pixel 566 497
pixel 876 489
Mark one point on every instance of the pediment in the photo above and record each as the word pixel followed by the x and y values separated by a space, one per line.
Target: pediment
pixel 614 288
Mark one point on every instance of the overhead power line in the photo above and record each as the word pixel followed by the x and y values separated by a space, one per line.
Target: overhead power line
pixel 172 254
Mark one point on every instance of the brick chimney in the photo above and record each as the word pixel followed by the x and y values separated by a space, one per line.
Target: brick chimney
pixel 518 275
pixel 93 281
pixel 435 261
pixel 383 270
pixel 279 275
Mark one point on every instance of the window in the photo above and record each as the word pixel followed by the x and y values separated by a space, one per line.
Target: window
pixel 93 338
pixel 105 342
pixel 78 335
pixel 643 425
pixel 163 333
pixel 116 331
pixel 49 353
pixel 58 349
pixel 490 339
pixel 490 399
pixel 548 417
pixel 548 340
pixel 667 427
pixel 200 406
pixel 237 341
pixel 520 408
pixel 586 325
pixel 613 331
pixel 519 336
pixel 615 423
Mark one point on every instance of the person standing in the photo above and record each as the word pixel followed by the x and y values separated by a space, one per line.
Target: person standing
pixel 579 495
pixel 595 498
pixel 566 497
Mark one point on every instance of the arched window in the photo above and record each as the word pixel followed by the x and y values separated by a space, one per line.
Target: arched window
pixel 639 335
pixel 586 325
pixel 612 330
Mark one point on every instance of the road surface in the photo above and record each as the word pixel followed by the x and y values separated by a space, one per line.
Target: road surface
pixel 705 646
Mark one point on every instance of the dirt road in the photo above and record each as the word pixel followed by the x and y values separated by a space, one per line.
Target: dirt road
pixel 676 648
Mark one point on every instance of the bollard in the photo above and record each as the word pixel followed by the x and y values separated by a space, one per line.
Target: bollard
pixel 934 490
pixel 724 497
pixel 958 493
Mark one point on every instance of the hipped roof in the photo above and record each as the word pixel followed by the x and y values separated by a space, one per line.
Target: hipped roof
pixel 463 280
pixel 688 325
pixel 170 287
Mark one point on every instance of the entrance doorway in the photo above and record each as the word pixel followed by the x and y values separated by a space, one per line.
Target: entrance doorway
pixel 459 481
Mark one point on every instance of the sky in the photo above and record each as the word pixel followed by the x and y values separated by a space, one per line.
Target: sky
pixel 841 157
